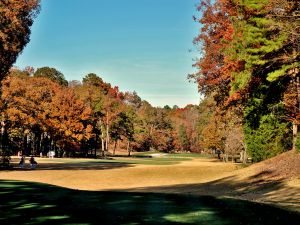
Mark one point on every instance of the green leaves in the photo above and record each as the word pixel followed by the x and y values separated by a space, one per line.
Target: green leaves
pixel 239 81
pixel 268 139
pixel 253 4
pixel 52 74
pixel 282 71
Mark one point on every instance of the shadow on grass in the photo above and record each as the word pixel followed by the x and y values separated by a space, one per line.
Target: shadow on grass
pixel 78 166
pixel 33 203
pixel 264 186
pixel 101 164
pixel 72 165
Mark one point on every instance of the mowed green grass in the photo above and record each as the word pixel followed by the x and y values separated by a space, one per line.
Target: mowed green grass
pixel 149 158
pixel 136 159
pixel 23 203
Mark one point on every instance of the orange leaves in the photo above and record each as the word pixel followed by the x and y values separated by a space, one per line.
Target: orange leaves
pixel 16 18
pixel 233 98
pixel 41 102
pixel 83 116
pixel 67 113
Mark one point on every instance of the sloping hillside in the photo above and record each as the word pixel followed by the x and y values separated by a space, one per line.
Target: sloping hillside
pixel 276 180
pixel 284 166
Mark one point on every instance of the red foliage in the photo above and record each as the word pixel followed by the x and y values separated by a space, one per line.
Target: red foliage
pixel 215 67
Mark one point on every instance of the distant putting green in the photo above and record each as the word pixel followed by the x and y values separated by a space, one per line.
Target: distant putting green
pixel 24 203
pixel 137 159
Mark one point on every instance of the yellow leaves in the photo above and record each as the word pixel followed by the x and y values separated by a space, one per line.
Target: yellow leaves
pixel 68 133
pixel 79 137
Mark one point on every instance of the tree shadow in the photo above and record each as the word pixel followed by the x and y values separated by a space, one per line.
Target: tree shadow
pixel 263 187
pixel 105 164
pixel 34 203
pixel 97 165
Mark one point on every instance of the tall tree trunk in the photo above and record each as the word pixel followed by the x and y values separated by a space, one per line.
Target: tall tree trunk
pixel 295 132
pixel 40 138
pixel 128 148
pixel 33 148
pixel 102 128
pixel 107 133
pixel 96 144
pixel 3 150
pixel 295 125
pixel 107 139
pixel 115 146
pixel 2 136
pixel 103 147
pixel 24 150
pixel 244 155
pixel 225 157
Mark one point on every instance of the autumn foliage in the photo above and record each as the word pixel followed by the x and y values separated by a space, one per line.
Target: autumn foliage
pixel 92 118
pixel 249 63
pixel 16 18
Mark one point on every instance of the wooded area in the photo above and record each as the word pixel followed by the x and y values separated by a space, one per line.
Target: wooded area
pixel 247 71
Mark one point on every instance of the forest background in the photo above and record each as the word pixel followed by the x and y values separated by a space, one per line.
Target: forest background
pixel 247 71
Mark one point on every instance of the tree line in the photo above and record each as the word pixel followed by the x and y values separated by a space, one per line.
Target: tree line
pixel 42 112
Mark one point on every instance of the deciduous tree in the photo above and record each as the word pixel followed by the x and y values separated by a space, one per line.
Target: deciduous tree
pixel 52 74
pixel 16 18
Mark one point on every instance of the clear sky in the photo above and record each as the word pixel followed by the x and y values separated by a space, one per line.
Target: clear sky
pixel 138 45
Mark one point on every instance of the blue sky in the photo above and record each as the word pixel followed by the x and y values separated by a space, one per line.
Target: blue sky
pixel 138 45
